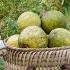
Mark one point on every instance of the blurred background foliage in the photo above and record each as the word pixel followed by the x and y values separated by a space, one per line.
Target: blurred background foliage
pixel 11 9
pixel 2 65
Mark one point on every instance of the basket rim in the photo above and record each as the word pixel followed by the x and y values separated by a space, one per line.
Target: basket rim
pixel 38 49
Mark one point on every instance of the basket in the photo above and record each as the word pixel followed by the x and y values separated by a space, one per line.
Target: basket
pixel 41 58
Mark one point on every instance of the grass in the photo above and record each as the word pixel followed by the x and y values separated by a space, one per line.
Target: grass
pixel 2 63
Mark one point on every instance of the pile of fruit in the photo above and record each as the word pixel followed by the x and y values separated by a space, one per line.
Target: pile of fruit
pixel 41 32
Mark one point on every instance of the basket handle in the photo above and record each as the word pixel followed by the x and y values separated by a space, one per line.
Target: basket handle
pixel 65 67
pixel 2 48
pixel 32 67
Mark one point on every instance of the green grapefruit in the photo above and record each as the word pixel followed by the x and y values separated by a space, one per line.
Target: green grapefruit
pixel 28 19
pixel 53 19
pixel 33 37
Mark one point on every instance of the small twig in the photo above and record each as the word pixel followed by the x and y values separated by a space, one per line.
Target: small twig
pixel 62 2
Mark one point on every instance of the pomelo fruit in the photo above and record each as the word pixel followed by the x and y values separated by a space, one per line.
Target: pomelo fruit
pixel 59 37
pixel 13 41
pixel 33 37
pixel 28 19
pixel 53 19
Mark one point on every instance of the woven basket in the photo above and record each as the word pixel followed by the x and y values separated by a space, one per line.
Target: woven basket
pixel 41 59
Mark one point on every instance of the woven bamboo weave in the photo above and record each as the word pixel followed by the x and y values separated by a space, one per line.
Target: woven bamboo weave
pixel 42 59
